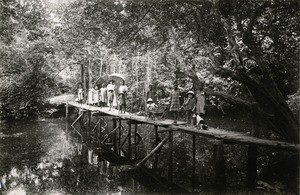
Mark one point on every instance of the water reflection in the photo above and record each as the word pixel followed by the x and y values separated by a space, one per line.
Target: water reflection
pixel 41 160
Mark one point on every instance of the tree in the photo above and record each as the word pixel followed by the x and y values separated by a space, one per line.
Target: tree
pixel 250 45
pixel 24 83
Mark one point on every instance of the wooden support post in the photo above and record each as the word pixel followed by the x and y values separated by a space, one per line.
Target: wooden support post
pixel 156 143
pixel 67 117
pixel 170 164
pixel 115 146
pixel 252 151
pixel 89 124
pixel 193 162
pixel 119 136
pixel 81 121
pixel 219 166
pixel 77 131
pixel 135 142
pixel 129 141
pixel 252 166
pixel 84 154
pixel 99 134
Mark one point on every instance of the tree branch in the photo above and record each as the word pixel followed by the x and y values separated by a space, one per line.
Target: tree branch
pixel 129 37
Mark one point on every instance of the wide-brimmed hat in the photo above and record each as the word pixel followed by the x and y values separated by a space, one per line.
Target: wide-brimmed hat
pixel 149 100
pixel 190 92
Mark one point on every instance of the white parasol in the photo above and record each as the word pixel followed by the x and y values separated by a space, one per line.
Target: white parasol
pixel 117 77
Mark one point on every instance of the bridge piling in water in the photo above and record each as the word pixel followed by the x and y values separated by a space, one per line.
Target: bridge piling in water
pixel 123 143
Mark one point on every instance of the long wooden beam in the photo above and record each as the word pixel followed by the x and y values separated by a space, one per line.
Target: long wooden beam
pixel 236 137
pixel 126 116
pixel 154 150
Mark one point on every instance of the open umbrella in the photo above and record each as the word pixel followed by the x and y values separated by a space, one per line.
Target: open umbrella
pixel 117 77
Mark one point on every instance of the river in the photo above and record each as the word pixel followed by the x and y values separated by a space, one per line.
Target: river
pixel 37 157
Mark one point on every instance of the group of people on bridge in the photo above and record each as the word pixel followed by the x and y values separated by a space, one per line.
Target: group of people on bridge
pixel 194 107
pixel 115 97
pixel 105 96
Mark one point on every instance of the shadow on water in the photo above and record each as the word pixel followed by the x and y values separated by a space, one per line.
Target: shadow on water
pixel 37 158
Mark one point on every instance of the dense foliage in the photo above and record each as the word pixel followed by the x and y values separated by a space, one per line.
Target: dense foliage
pixel 27 70
pixel 245 49
pixel 244 52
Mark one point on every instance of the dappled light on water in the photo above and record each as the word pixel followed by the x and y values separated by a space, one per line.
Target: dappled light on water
pixel 44 161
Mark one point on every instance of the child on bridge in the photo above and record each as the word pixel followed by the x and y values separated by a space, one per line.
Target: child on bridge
pixel 122 102
pixel 151 106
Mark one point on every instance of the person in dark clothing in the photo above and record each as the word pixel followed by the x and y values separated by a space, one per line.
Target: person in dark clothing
pixel 189 107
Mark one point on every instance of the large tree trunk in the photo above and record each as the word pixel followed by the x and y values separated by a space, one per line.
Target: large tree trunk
pixel 83 80
pixel 90 73
pixel 272 101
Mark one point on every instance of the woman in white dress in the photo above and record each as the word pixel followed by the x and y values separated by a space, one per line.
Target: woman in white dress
pixel 96 95
pixel 91 96
pixel 103 96
pixel 110 93
pixel 80 94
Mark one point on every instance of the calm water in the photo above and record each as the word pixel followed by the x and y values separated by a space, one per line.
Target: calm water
pixel 37 158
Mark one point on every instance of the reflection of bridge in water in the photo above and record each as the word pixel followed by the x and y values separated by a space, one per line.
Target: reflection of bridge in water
pixel 119 142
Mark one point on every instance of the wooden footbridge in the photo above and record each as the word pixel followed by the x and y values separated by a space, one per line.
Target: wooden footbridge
pixel 122 139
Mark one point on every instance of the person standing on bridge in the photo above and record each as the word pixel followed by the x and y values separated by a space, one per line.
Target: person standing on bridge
pixel 200 103
pixel 91 96
pixel 103 96
pixel 110 96
pixel 80 93
pixel 96 95
pixel 123 88
pixel 123 91
pixel 189 106
pixel 175 104
pixel 122 103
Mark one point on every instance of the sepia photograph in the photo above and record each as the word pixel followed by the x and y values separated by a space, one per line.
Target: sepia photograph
pixel 148 97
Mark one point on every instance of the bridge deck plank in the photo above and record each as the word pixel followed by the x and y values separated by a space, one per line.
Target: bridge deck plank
pixel 230 136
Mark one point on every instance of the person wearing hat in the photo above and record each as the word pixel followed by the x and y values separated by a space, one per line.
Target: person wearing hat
pixel 122 102
pixel 189 107
pixel 175 104
pixel 151 105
